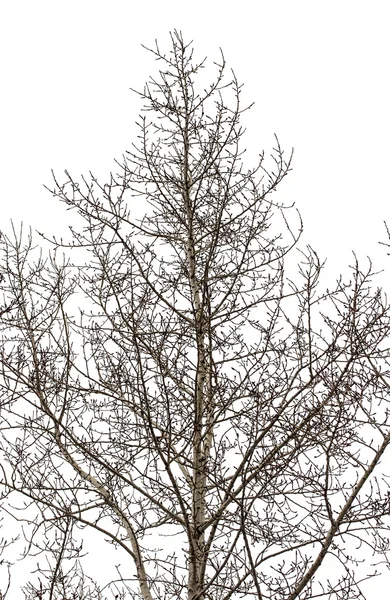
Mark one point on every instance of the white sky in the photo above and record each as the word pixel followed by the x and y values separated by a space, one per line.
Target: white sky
pixel 317 71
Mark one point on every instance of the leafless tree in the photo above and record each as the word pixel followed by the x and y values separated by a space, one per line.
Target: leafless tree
pixel 182 384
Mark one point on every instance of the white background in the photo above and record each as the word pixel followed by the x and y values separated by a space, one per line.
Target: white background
pixel 318 72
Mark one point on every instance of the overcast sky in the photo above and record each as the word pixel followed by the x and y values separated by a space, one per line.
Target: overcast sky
pixel 318 72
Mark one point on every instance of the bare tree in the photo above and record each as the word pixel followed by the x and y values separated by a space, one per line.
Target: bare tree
pixel 183 385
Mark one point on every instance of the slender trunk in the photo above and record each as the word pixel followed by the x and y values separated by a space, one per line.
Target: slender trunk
pixel 198 498
pixel 196 535
pixel 201 441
